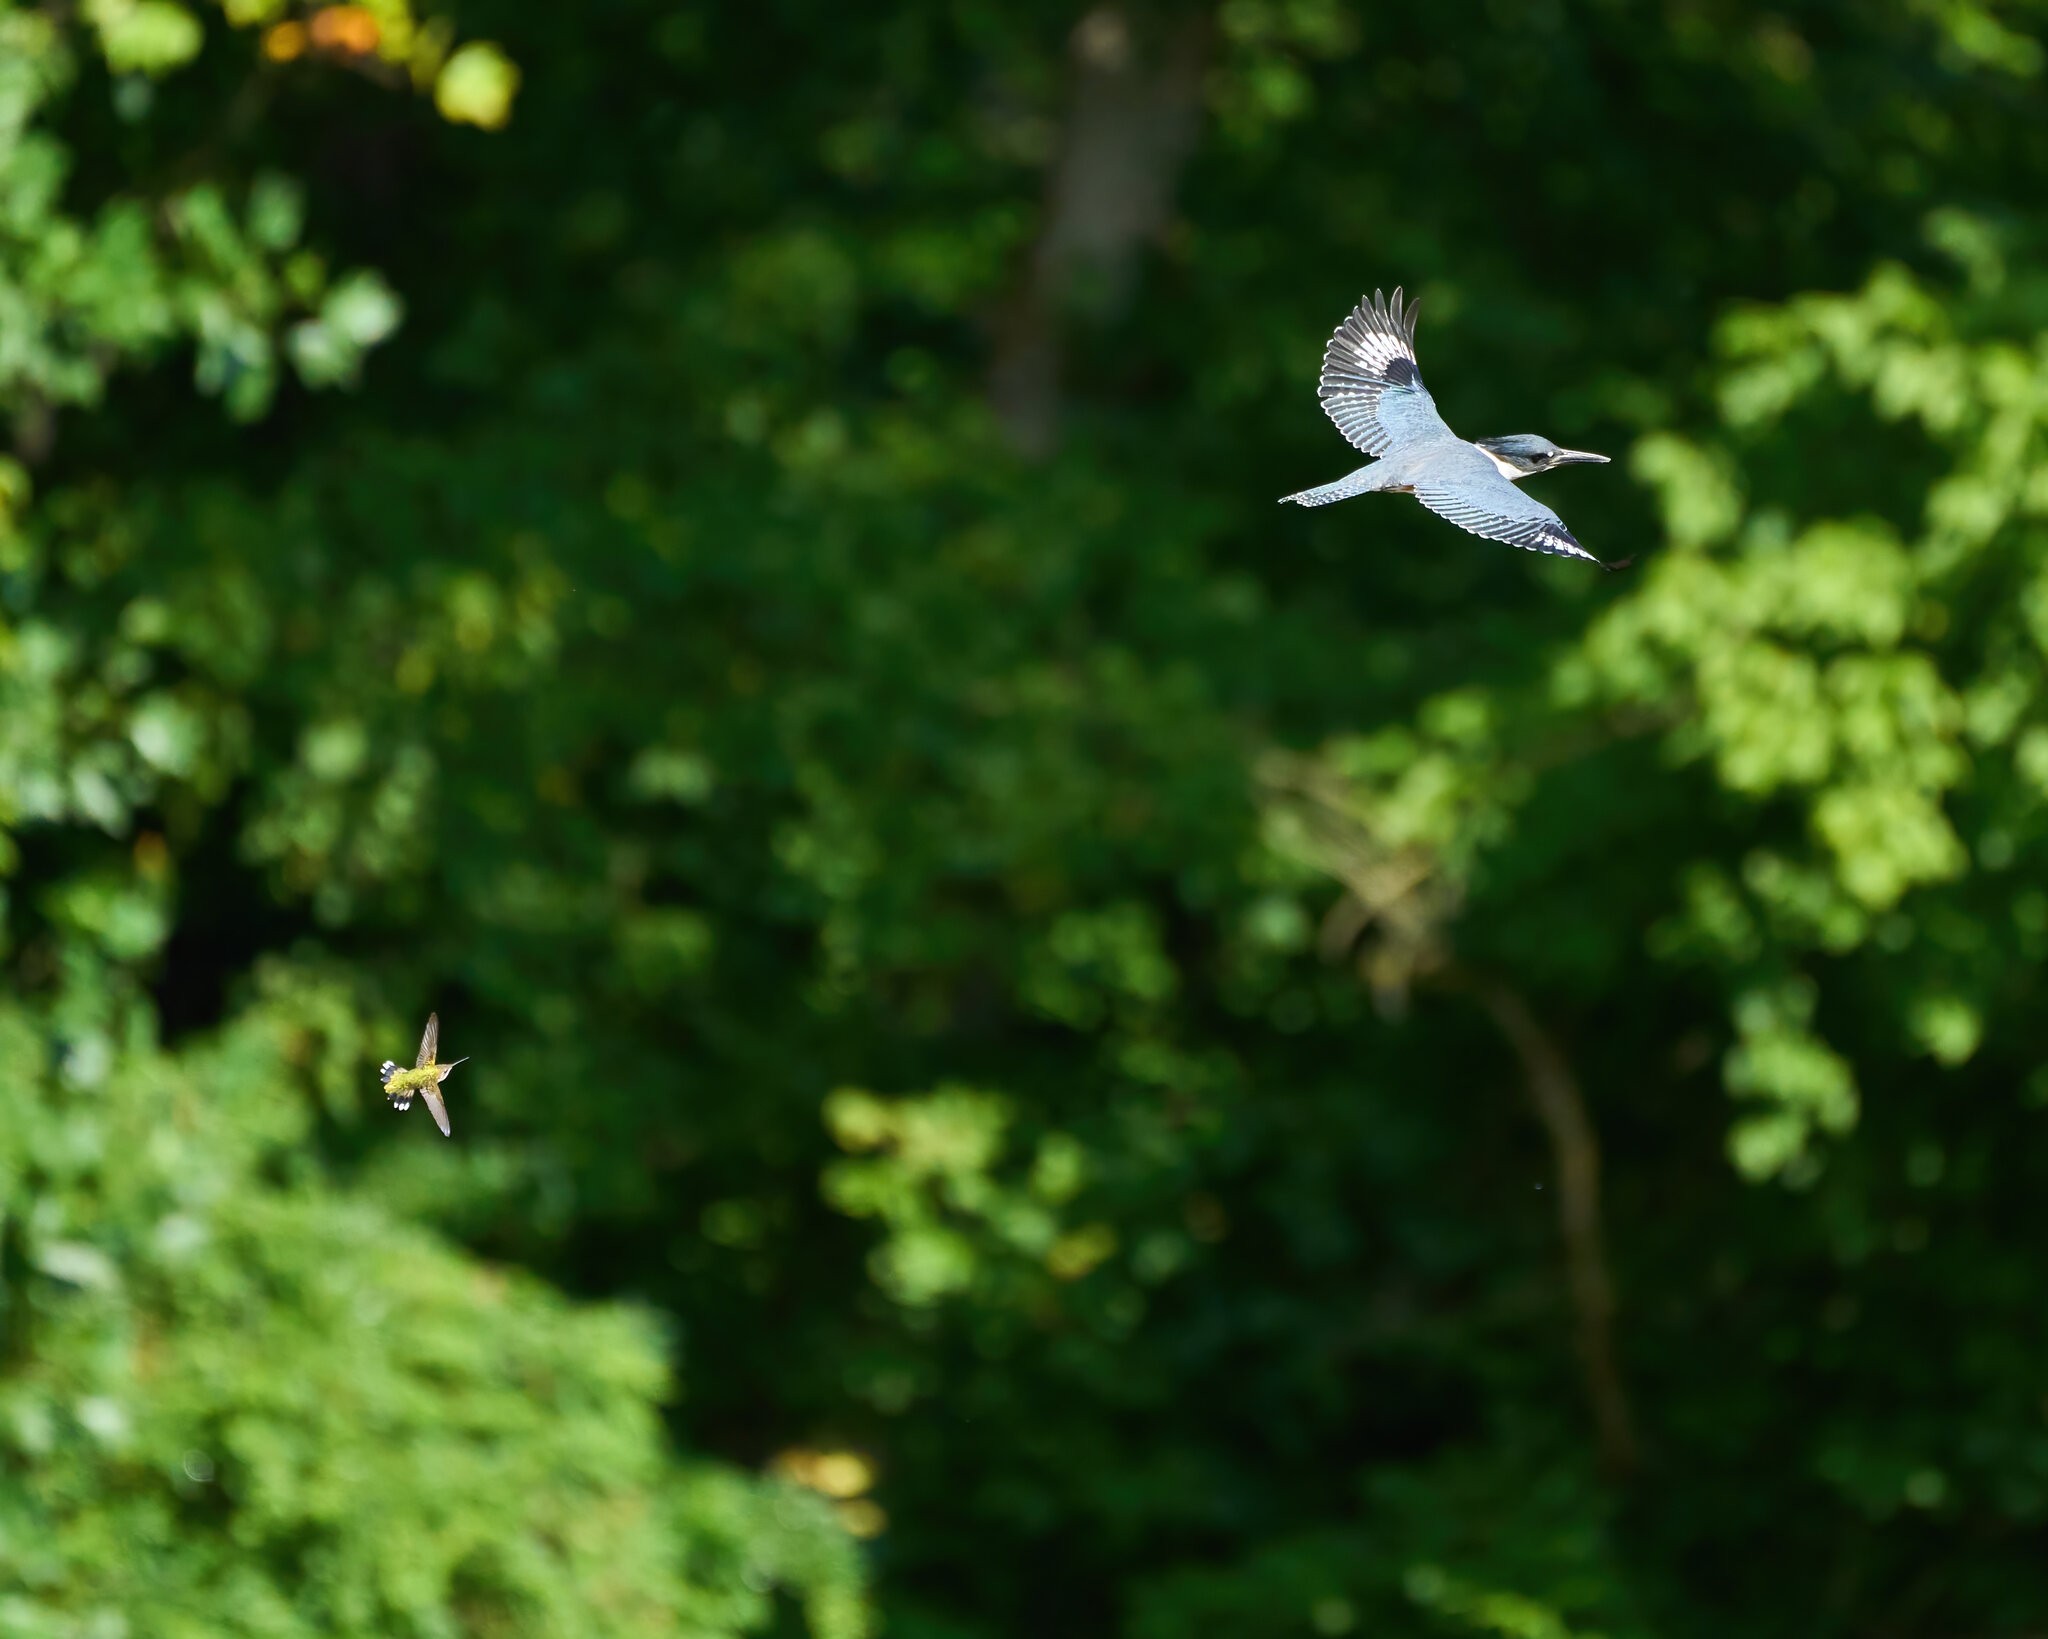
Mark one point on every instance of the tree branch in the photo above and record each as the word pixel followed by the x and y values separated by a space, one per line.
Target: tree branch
pixel 1575 1148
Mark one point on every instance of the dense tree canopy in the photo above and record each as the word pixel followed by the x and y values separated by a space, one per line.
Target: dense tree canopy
pixel 1056 1049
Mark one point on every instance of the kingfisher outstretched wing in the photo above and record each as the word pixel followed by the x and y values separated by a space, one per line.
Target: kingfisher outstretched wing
pixel 1473 494
pixel 1371 385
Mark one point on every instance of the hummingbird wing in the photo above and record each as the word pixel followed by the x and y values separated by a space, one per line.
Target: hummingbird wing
pixel 428 1042
pixel 437 1109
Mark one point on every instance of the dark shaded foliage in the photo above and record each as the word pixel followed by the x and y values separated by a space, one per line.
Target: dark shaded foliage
pixel 1071 995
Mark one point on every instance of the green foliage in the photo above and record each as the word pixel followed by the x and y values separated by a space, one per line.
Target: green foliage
pixel 476 87
pixel 249 1406
pixel 1813 661
pixel 997 1102
pixel 83 294
pixel 144 36
pixel 234 1397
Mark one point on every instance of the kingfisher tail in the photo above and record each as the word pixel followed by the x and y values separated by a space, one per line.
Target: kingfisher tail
pixel 1361 482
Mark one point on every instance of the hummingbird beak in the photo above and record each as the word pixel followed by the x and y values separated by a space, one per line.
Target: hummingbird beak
pixel 1574 458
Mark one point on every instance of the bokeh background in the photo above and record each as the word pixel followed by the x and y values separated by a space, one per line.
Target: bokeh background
pixel 1056 1049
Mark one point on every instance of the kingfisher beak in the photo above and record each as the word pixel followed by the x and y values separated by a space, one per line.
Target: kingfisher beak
pixel 1574 458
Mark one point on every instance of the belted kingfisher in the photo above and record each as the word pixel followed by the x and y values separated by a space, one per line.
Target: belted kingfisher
pixel 1372 388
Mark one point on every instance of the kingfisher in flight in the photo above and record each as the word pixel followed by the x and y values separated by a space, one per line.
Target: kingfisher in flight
pixel 424 1078
pixel 1372 388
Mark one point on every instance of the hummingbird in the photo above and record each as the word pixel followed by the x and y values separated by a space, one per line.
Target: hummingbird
pixel 424 1078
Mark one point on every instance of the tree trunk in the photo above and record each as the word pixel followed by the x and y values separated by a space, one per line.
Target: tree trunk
pixel 1131 122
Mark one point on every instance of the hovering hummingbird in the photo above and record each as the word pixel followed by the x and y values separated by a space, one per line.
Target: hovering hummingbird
pixel 424 1078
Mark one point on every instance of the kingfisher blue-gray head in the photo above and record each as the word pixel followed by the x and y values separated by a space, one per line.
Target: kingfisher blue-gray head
pixel 1372 389
pixel 1520 454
